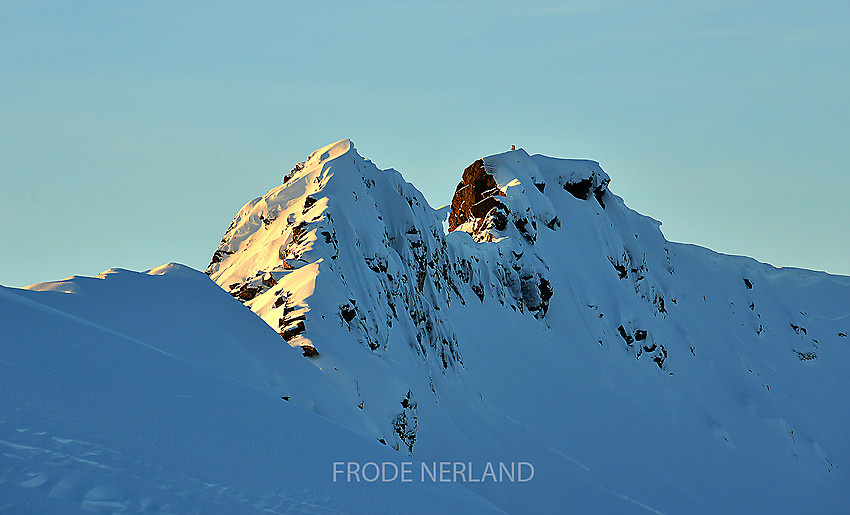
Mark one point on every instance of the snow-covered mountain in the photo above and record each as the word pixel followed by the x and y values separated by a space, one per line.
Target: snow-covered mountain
pixel 537 319
pixel 553 322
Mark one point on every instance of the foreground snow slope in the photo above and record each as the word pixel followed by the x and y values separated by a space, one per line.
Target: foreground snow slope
pixel 156 392
pixel 553 325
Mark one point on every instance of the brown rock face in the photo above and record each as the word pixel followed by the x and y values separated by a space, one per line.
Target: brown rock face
pixel 475 195
pixel 309 351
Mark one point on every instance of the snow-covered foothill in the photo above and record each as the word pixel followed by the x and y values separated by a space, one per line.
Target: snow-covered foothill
pixel 157 393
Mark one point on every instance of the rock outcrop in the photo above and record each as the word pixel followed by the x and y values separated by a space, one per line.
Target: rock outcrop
pixel 475 196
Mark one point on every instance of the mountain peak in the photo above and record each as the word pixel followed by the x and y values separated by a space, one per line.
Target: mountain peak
pixel 331 152
pixel 524 189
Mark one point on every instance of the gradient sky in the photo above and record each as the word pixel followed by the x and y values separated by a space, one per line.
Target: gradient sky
pixel 132 132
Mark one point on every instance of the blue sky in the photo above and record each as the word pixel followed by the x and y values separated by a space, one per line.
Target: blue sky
pixel 132 132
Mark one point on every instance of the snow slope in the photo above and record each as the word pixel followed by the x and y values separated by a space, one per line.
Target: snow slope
pixel 553 325
pixel 156 392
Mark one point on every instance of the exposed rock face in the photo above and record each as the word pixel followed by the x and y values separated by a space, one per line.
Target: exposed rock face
pixel 475 195
pixel 582 189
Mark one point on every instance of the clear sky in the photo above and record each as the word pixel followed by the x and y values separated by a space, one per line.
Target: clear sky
pixel 132 132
